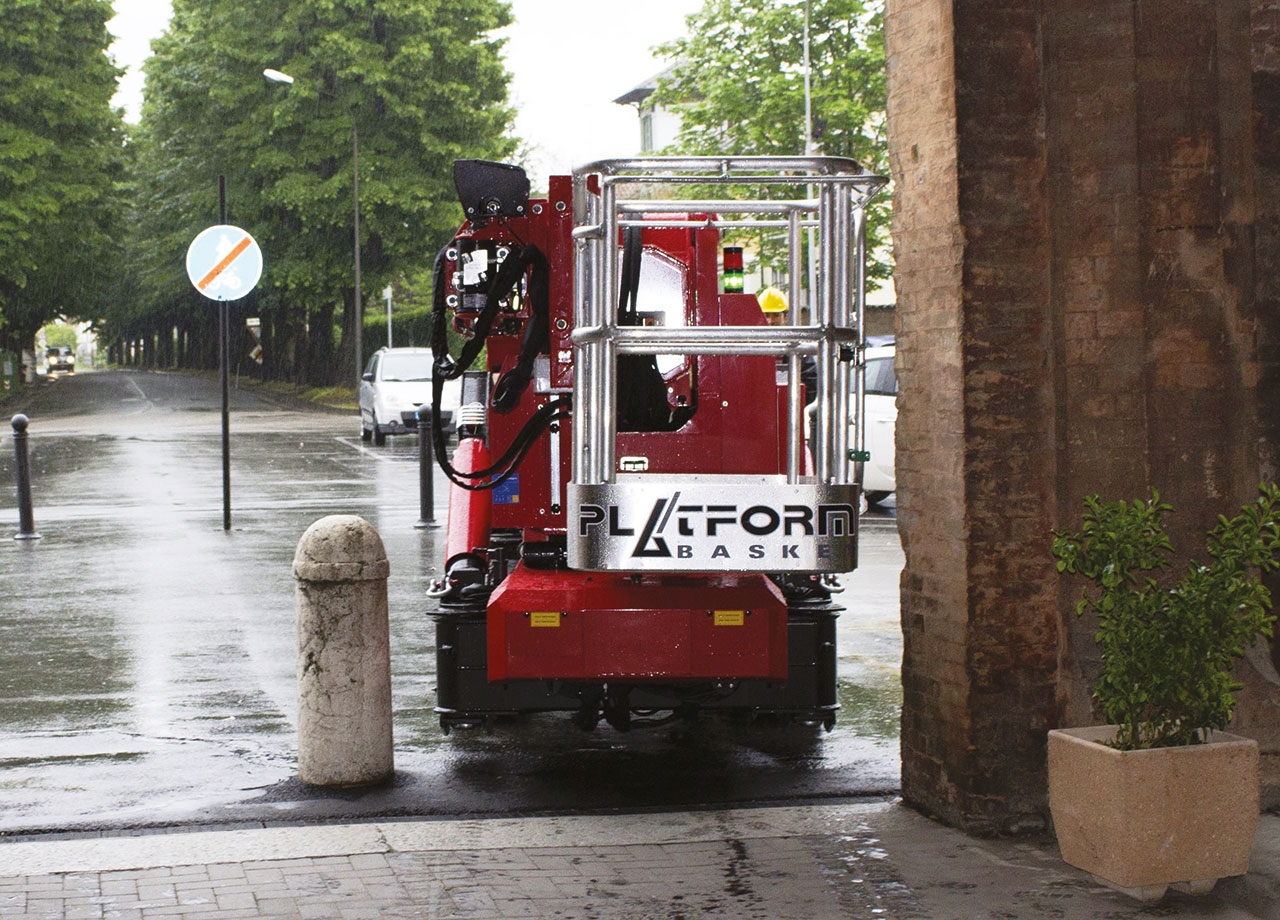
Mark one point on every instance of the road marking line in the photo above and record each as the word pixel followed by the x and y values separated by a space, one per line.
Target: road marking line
pixel 226 260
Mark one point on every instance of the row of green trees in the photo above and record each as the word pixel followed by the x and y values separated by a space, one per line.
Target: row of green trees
pixel 96 215
pixel 61 164
pixel 419 83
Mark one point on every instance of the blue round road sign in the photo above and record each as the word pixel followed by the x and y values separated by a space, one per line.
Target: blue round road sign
pixel 224 262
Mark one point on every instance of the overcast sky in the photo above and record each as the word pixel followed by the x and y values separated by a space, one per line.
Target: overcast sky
pixel 568 59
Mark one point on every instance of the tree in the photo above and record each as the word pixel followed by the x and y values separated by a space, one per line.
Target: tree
pixel 419 82
pixel 60 149
pixel 59 334
pixel 738 85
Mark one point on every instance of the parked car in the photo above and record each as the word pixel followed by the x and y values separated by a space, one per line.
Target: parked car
pixel 59 360
pixel 396 381
pixel 881 419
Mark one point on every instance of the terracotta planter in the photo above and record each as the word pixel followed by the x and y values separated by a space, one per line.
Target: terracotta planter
pixel 1143 820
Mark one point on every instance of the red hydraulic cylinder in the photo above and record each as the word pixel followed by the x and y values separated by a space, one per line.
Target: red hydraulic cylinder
pixel 470 510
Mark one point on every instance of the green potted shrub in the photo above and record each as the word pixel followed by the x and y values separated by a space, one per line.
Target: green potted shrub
pixel 1163 795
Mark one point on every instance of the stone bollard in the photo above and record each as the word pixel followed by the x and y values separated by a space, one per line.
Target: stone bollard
pixel 344 654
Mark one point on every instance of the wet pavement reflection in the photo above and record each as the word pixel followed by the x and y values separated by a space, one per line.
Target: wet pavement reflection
pixel 147 656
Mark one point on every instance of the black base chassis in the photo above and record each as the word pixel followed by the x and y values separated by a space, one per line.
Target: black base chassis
pixel 467 698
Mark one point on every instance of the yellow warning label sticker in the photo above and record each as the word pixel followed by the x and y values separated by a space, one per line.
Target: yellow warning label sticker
pixel 541 619
pixel 728 617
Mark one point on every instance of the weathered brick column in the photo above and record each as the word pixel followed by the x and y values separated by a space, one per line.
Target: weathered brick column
pixel 1076 311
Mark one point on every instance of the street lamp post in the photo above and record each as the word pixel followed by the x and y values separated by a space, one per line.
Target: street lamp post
pixel 808 151
pixel 276 76
pixel 359 300
pixel 386 295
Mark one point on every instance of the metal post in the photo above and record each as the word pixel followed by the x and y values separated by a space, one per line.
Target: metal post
pixel 224 374
pixel 359 301
pixel 386 293
pixel 426 468
pixel 224 361
pixel 809 190
pixel 26 520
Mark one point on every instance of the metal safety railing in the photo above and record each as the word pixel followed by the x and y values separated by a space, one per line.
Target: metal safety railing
pixel 837 193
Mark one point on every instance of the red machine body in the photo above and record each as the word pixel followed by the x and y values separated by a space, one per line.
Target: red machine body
pixel 606 626
pixel 519 627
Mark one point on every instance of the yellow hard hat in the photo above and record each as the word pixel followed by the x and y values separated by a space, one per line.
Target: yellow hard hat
pixel 772 300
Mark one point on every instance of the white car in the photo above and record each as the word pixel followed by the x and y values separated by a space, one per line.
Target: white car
pixel 396 382
pixel 881 411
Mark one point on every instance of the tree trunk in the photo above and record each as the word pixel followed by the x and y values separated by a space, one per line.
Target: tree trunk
pixel 322 369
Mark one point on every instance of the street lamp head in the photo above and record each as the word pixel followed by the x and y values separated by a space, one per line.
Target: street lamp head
pixel 276 76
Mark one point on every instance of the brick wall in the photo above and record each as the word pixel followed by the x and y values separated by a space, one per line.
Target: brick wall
pixel 1097 270
pixel 1258 713
pixel 1076 314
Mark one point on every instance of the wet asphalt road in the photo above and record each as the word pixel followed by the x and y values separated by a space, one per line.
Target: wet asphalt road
pixel 147 656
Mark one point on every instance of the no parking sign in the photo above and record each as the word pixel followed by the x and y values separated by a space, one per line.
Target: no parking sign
pixel 224 262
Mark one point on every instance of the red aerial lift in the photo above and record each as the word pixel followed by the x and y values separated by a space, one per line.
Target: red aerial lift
pixel 638 519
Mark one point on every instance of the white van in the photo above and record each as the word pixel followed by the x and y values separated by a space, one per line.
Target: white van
pixel 881 420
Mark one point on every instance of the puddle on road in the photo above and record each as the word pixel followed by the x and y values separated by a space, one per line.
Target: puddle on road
pixel 872 710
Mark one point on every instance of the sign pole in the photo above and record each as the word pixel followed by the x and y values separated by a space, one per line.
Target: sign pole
pixel 223 361
pixel 224 263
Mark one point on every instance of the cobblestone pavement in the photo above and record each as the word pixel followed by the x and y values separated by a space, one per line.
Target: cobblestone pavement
pixel 418 870
pixel 779 879
pixel 872 860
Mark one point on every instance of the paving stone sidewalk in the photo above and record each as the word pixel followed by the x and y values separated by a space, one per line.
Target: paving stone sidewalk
pixel 875 860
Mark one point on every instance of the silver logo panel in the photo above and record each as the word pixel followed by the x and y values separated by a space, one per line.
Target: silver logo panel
pixel 652 523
